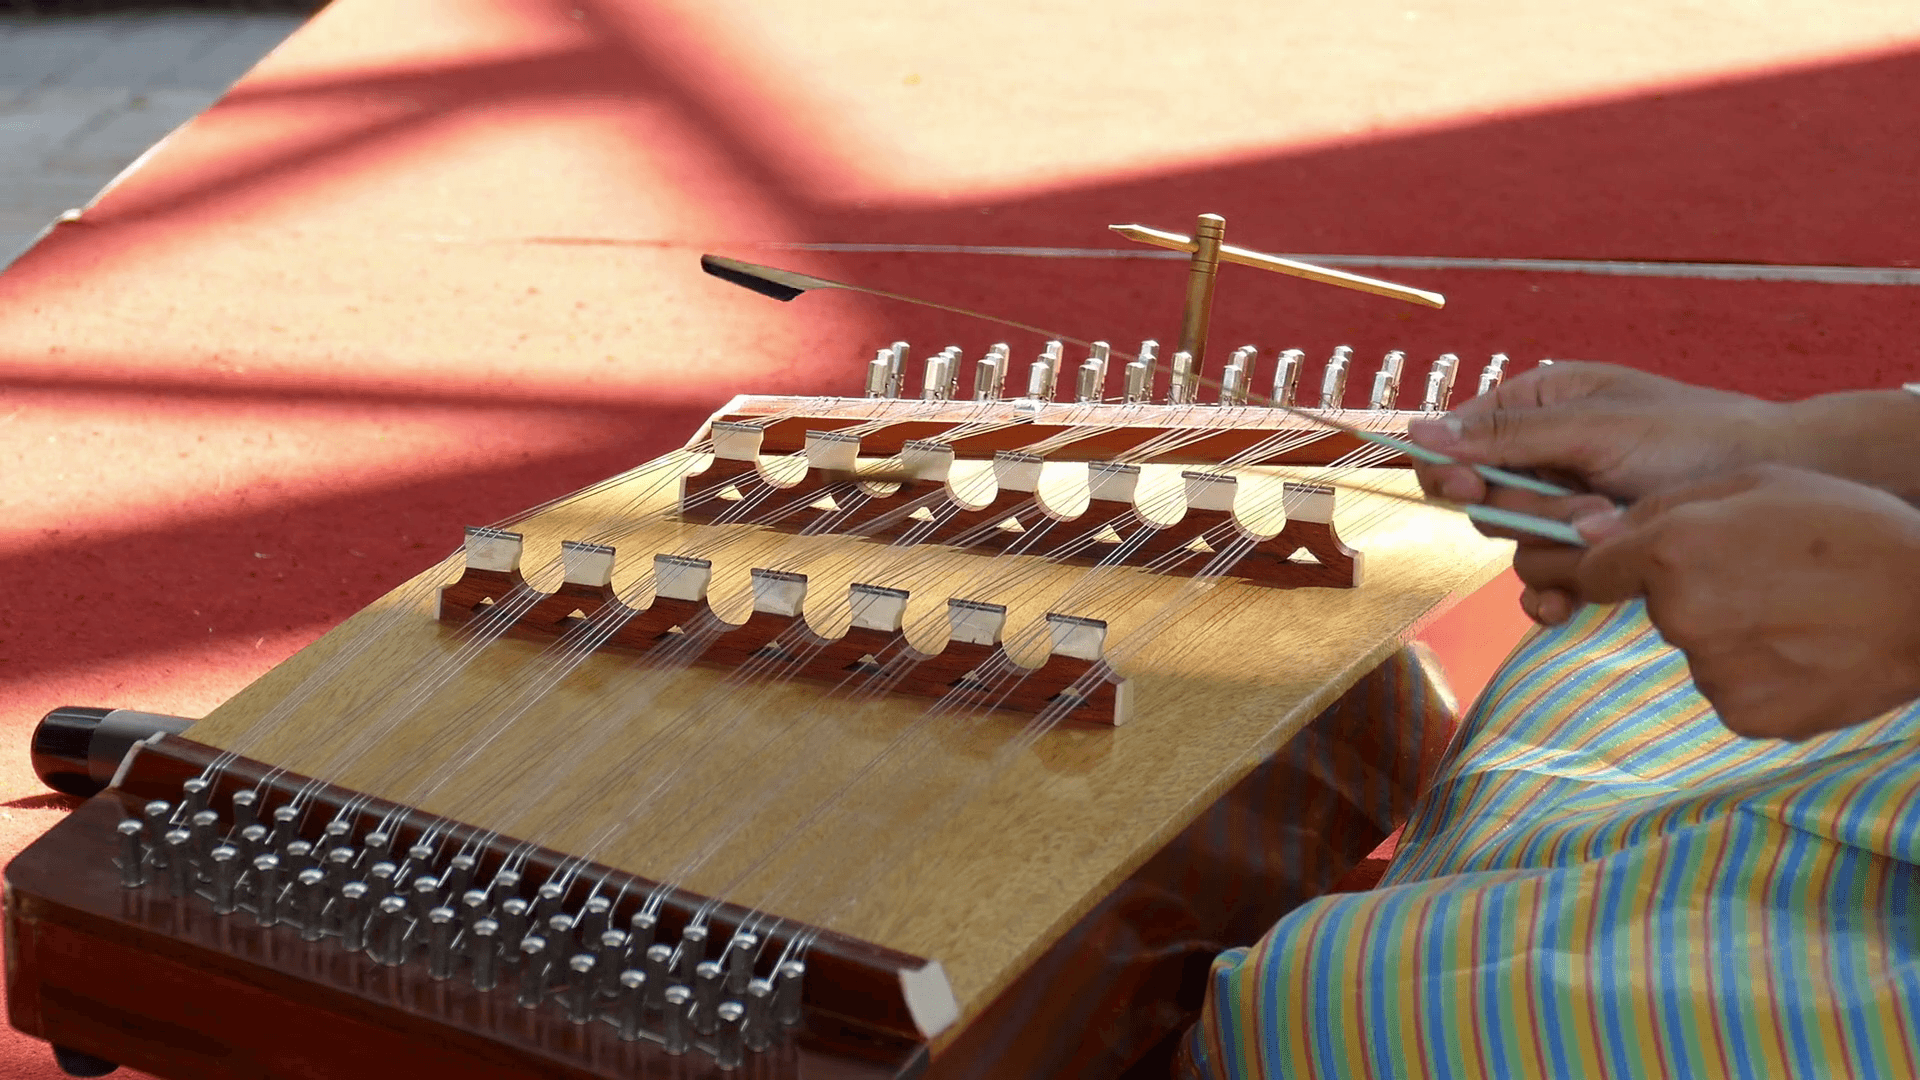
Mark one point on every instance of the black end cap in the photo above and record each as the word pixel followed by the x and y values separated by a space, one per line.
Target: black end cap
pixel 59 749
pixel 736 272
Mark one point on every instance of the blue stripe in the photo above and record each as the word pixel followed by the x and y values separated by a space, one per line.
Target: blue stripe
pixel 1559 953
pixel 1781 957
pixel 1443 1033
pixel 1607 954
pixel 1667 912
pixel 1379 968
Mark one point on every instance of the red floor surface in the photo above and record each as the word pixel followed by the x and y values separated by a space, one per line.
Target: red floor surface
pixel 436 261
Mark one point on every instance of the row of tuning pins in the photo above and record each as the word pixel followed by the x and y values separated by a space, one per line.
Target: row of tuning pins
pixel 886 376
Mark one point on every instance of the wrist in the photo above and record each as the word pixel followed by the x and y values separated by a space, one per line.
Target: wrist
pixel 1868 436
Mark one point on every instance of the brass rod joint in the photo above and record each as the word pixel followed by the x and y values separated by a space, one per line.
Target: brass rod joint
pixel 1202 272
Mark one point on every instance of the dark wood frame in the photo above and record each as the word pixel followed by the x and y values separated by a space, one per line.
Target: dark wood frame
pixel 142 978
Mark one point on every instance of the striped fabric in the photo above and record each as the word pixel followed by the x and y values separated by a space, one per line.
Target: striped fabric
pixel 1603 881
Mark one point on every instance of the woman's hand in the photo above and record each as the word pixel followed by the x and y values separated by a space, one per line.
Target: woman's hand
pixel 1794 595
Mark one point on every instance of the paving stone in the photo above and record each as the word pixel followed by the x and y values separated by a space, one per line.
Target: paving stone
pixel 81 98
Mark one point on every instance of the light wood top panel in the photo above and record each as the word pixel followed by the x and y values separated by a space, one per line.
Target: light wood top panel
pixel 950 845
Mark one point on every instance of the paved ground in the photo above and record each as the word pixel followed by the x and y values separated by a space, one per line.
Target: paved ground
pixel 82 97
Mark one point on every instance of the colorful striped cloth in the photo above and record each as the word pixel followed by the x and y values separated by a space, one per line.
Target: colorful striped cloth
pixel 1604 881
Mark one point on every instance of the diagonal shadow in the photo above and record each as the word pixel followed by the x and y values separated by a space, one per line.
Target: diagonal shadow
pixel 1783 167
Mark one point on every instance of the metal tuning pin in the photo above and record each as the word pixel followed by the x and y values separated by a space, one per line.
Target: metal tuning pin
pixel 380 877
pixel 954 356
pixel 534 965
pixel 546 903
pixel 1234 380
pixel 506 883
pixel 181 876
pixel 337 834
pixel 990 374
pixel 245 809
pixel 132 853
pixel 204 827
pixel 879 372
pixel 459 876
pixel 1386 381
pixel 657 964
pixel 155 814
pixel 252 842
pixel 674 1036
pixel 286 824
pixel 610 955
pixel 582 987
pixel 352 916
pixel 1045 372
pixel 729 1046
pixel 630 1005
pixel 758 1030
pixel 441 925
pixel 387 931
pixel 1333 384
pixel 296 856
pixel 378 847
pixel 640 931
pixel 708 982
pixel 225 862
pixel 193 797
pixel 1140 373
pixel 1101 353
pixel 739 962
pixel 1087 386
pixel 1440 383
pixel 483 953
pixel 935 386
pixel 1181 383
pixel 560 936
pixel 691 953
pixel 1139 382
pixel 513 922
pixel 338 866
pixel 787 992
pixel 473 907
pixel 1491 375
pixel 309 901
pixel 266 889
pixel 1286 376
pixel 592 920
pixel 425 896
pixel 897 370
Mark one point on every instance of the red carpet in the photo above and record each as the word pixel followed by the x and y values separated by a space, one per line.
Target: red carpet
pixel 436 261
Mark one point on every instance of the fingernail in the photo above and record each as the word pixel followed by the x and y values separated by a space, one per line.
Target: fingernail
pixel 1435 433
pixel 1599 524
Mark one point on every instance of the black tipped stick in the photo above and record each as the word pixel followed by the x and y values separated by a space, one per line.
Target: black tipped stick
pixel 787 284
pixel 780 284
